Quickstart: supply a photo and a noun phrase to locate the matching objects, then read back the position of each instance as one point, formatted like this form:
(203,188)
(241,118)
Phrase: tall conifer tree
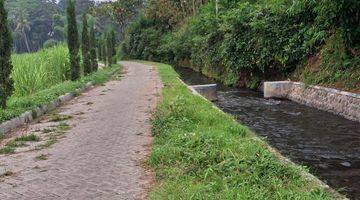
(73,41)
(111,47)
(93,57)
(6,83)
(85,46)
(104,48)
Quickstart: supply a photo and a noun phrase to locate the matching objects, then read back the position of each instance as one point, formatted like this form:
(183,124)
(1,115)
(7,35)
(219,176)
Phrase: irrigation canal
(326,143)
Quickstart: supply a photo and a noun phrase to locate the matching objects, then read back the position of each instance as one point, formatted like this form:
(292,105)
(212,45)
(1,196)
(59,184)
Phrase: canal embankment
(339,102)
(200,152)
(328,144)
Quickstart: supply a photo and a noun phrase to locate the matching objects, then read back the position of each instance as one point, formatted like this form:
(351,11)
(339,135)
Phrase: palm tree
(22,26)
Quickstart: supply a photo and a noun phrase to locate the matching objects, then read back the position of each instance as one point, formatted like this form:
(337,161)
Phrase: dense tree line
(242,42)
(42,23)
(82,62)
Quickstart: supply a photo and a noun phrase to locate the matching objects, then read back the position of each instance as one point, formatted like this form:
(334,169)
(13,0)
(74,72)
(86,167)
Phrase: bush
(248,41)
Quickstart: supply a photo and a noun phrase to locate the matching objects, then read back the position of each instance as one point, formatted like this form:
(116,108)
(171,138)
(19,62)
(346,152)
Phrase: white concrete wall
(342,103)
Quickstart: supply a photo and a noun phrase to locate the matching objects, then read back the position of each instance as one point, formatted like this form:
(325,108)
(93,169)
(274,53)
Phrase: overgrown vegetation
(18,142)
(38,24)
(242,42)
(201,153)
(37,71)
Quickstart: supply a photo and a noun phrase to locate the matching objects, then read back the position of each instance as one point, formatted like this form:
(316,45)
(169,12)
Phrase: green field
(201,153)
(37,71)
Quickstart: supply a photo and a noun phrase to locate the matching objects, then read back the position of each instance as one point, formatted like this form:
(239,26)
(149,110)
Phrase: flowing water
(328,144)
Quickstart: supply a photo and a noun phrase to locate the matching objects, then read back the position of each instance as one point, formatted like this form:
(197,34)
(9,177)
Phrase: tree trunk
(26,41)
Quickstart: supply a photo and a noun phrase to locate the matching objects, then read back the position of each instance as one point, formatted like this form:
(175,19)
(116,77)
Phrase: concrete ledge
(345,104)
(31,115)
(208,91)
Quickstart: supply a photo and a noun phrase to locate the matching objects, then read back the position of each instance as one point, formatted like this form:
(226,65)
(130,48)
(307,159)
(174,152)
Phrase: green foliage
(245,41)
(7,150)
(142,40)
(38,71)
(102,48)
(31,22)
(93,48)
(337,68)
(50,43)
(85,46)
(111,47)
(201,153)
(6,83)
(31,137)
(73,41)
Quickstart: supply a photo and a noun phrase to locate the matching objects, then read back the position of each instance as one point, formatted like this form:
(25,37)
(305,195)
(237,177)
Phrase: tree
(93,57)
(85,47)
(34,15)
(73,41)
(111,47)
(99,48)
(22,27)
(120,11)
(6,83)
(83,6)
(103,48)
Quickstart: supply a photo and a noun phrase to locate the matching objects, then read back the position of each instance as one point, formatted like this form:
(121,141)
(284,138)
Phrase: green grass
(58,118)
(62,127)
(18,142)
(7,150)
(41,157)
(36,71)
(18,105)
(200,152)
(25,138)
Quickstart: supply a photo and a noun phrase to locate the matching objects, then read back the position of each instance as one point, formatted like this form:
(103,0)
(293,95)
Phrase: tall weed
(37,71)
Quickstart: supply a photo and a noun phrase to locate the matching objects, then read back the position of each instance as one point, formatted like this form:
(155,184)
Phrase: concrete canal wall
(342,103)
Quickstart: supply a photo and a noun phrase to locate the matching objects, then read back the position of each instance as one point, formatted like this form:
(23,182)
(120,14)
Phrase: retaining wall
(342,103)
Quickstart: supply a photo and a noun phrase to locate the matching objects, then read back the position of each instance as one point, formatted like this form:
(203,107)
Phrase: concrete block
(209,91)
(277,89)
(341,103)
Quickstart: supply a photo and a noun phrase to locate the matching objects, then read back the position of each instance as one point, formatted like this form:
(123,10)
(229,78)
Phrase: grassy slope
(201,153)
(18,105)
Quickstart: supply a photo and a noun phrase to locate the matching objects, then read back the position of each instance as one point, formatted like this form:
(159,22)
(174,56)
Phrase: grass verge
(19,105)
(200,152)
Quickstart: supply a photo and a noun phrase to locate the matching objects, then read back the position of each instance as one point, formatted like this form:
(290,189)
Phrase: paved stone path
(100,157)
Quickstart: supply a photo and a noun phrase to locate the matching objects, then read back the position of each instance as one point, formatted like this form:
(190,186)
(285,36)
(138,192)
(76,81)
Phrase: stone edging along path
(37,112)
(31,115)
(306,175)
